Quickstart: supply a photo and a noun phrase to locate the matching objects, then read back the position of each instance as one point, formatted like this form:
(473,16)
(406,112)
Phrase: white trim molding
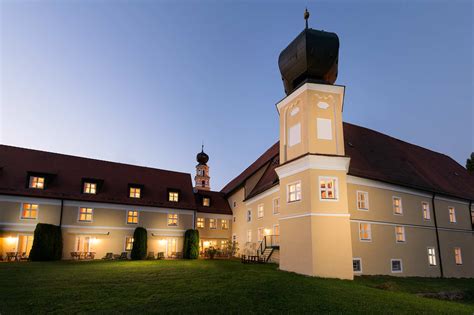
(377,184)
(262,195)
(38,201)
(317,162)
(315,214)
(214,216)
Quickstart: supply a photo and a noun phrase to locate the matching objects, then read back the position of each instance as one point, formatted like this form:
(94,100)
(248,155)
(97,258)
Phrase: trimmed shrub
(191,244)
(139,249)
(47,243)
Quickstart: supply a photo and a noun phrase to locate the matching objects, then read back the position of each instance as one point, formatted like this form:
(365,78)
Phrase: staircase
(268,245)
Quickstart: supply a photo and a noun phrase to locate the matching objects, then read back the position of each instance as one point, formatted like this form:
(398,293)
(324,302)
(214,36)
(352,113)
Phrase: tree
(470,164)
(139,249)
(191,244)
(47,243)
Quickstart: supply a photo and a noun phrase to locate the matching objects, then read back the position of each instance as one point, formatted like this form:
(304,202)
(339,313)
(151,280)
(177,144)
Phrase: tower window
(203,183)
(294,192)
(328,188)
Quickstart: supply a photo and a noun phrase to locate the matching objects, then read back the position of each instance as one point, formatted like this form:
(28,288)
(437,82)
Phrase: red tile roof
(218,205)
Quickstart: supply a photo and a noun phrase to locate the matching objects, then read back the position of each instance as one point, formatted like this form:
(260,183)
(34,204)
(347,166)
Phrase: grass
(205,286)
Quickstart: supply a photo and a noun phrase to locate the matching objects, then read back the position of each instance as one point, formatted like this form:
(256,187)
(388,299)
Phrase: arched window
(203,183)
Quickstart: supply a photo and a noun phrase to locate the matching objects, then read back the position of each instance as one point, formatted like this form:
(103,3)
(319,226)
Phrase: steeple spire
(306,16)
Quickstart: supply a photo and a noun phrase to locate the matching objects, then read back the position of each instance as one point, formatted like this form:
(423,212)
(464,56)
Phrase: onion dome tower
(202,179)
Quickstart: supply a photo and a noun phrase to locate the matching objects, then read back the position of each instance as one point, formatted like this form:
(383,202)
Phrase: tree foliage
(139,249)
(47,243)
(191,244)
(470,164)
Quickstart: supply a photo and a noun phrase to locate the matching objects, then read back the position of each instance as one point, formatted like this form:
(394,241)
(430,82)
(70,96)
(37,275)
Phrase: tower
(202,179)
(315,234)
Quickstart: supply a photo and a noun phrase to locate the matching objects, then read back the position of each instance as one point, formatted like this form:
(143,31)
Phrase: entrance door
(83,243)
(25,242)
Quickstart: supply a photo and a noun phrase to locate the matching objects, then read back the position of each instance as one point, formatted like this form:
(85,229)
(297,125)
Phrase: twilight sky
(145,82)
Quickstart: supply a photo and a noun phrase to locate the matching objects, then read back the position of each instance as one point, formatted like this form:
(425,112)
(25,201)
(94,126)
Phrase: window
(294,192)
(213,224)
(362,200)
(200,223)
(431,256)
(276,229)
(328,188)
(224,244)
(135,192)
(224,224)
(128,243)
(233,219)
(400,234)
(203,183)
(260,211)
(29,211)
(235,204)
(365,233)
(249,236)
(249,215)
(294,135)
(90,188)
(426,211)
(396,265)
(85,214)
(36,182)
(132,217)
(458,255)
(206,201)
(452,215)
(172,219)
(357,265)
(276,205)
(260,234)
(173,196)
(397,206)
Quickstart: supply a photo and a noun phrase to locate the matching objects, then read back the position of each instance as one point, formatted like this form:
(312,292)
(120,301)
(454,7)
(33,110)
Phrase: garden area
(217,286)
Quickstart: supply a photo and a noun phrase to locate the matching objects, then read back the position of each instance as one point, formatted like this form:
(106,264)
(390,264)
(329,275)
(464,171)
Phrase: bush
(191,244)
(47,243)
(139,249)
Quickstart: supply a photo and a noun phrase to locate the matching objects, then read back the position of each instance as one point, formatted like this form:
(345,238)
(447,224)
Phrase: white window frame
(369,232)
(79,215)
(393,205)
(366,194)
(403,234)
(84,188)
(168,219)
(172,195)
(203,223)
(249,236)
(273,205)
(248,215)
(125,245)
(360,264)
(260,211)
(260,234)
(135,192)
(401,265)
(222,224)
(296,192)
(454,215)
(428,210)
(127,216)
(335,188)
(275,225)
(456,256)
(210,224)
(29,219)
(431,263)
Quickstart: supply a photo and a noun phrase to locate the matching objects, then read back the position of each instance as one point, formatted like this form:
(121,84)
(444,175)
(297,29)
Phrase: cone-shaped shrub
(191,244)
(47,243)
(139,249)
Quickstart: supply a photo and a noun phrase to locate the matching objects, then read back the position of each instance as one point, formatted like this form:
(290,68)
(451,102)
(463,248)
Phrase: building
(329,199)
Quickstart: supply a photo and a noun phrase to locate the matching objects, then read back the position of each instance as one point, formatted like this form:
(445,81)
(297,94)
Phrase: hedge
(191,244)
(139,249)
(47,243)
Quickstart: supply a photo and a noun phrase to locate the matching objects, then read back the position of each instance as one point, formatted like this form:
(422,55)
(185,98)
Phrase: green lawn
(206,286)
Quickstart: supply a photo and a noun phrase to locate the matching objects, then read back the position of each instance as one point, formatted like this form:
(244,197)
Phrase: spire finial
(306,16)
(202,146)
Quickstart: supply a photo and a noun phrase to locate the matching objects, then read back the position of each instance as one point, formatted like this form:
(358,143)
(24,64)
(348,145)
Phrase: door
(25,242)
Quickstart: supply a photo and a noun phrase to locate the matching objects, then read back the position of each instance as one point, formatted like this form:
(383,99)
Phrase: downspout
(61,214)
(470,214)
(437,236)
(194,219)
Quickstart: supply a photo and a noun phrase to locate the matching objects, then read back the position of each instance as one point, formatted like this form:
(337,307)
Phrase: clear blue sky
(144,82)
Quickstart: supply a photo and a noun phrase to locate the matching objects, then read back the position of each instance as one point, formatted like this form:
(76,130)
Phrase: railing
(268,241)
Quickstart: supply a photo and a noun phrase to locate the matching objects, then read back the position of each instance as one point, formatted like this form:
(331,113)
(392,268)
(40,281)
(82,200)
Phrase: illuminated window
(206,202)
(294,192)
(396,265)
(135,192)
(132,217)
(328,188)
(260,234)
(225,224)
(173,196)
(85,214)
(90,188)
(249,215)
(200,223)
(36,182)
(400,234)
(426,211)
(357,265)
(224,244)
(276,205)
(172,219)
(128,243)
(452,215)
(260,211)
(431,256)
(397,206)
(213,224)
(249,236)
(29,211)
(362,200)
(365,233)
(458,255)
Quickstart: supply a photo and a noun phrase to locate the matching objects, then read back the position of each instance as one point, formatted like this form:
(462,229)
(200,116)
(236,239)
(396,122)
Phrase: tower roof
(202,158)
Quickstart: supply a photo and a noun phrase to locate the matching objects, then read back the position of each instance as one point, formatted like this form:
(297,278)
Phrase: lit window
(90,188)
(200,223)
(249,215)
(172,219)
(29,211)
(260,211)
(365,233)
(206,202)
(431,256)
(128,243)
(328,188)
(132,217)
(276,205)
(397,205)
(458,255)
(357,265)
(36,182)
(85,214)
(426,211)
(362,200)
(400,234)
(135,192)
(225,224)
(396,265)
(452,215)
(294,192)
(223,244)
(173,196)
(260,234)
(213,224)
(249,236)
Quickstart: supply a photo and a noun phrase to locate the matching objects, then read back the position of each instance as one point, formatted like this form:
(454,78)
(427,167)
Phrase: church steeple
(202,178)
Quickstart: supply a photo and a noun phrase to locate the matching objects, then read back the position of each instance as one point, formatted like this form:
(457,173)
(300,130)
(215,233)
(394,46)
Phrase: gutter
(437,236)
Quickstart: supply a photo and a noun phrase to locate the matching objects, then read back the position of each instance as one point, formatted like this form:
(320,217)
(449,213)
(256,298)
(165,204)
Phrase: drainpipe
(61,214)
(470,214)
(437,236)
(194,219)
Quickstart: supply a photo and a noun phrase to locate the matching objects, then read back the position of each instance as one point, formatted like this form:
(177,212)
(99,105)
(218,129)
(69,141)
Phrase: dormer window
(90,188)
(36,182)
(173,196)
(206,201)
(135,192)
